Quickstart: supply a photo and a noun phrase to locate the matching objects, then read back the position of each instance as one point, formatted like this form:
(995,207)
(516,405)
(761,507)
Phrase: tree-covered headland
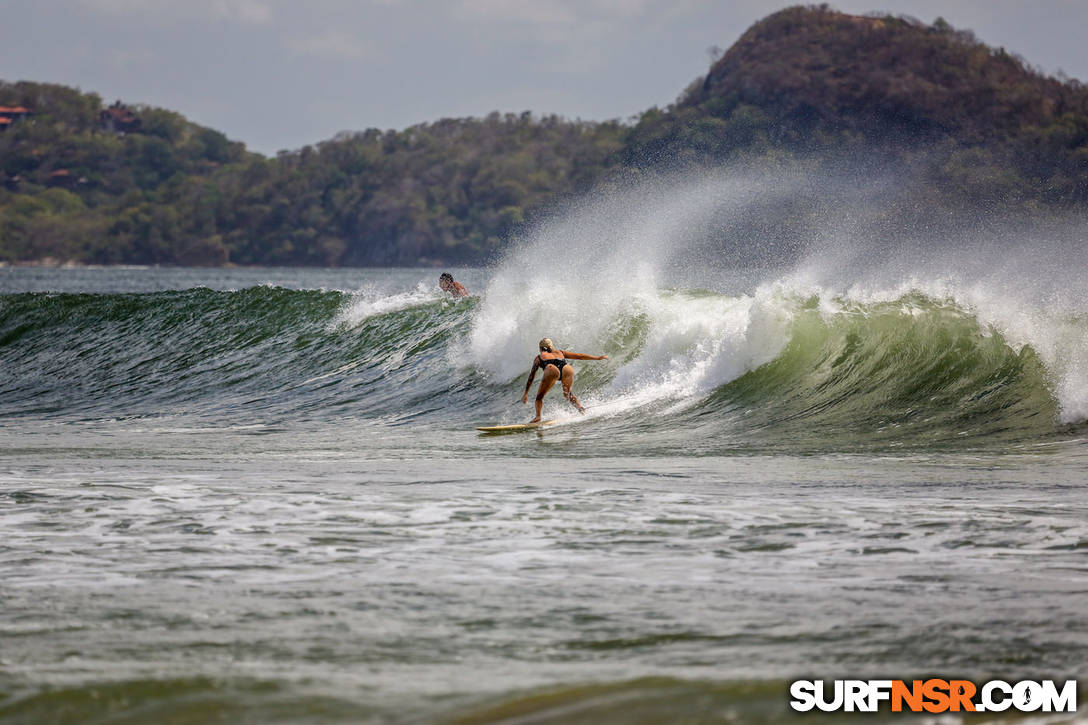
(88,182)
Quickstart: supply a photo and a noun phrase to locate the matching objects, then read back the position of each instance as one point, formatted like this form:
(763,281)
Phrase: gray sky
(279,74)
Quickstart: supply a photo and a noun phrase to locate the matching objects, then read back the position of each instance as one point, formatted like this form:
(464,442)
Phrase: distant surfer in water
(555,367)
(446,282)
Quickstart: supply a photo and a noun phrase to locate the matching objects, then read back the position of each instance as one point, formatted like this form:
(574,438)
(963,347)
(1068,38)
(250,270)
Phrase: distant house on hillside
(11,114)
(119,118)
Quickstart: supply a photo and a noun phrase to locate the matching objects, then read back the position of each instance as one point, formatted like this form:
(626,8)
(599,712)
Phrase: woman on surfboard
(555,367)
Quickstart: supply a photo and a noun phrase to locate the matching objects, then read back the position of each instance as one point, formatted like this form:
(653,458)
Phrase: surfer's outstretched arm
(581,356)
(529,382)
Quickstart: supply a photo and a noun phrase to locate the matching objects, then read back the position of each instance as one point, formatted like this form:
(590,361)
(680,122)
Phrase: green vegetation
(72,189)
(446,191)
(972,123)
(166,191)
(966,124)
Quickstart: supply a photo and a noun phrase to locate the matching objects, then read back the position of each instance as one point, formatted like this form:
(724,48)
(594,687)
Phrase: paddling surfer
(555,365)
(447,283)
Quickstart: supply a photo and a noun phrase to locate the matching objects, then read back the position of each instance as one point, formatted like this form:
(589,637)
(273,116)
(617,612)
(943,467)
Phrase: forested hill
(972,120)
(80,181)
(449,191)
(85,182)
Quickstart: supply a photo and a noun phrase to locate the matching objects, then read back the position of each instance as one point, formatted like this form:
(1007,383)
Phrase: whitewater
(823,446)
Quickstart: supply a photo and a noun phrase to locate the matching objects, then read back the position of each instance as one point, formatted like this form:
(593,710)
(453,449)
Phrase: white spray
(643,253)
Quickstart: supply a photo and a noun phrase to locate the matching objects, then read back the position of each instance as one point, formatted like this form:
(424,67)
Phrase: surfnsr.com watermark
(933,695)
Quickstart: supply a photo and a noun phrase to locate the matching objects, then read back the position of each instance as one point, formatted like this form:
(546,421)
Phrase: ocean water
(258,495)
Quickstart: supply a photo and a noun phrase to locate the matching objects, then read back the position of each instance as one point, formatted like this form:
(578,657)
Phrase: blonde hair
(546,345)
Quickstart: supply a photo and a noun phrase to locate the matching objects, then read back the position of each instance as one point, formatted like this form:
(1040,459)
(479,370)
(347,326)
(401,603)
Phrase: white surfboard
(516,427)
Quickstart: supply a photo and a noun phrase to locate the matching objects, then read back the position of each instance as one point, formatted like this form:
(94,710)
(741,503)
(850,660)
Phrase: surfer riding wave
(556,367)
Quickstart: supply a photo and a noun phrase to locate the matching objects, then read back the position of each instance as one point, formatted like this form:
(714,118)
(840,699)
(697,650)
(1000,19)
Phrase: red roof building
(10,114)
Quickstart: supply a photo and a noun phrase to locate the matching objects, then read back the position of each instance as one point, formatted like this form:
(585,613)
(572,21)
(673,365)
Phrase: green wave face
(908,373)
(254,353)
(700,372)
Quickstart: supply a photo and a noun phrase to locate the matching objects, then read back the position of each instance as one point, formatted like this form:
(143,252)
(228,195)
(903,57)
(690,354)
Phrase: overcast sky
(280,74)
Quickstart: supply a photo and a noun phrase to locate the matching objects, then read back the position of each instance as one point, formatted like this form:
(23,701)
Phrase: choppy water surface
(258,495)
(275,578)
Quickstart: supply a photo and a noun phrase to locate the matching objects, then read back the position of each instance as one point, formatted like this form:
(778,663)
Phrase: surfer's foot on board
(534,420)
